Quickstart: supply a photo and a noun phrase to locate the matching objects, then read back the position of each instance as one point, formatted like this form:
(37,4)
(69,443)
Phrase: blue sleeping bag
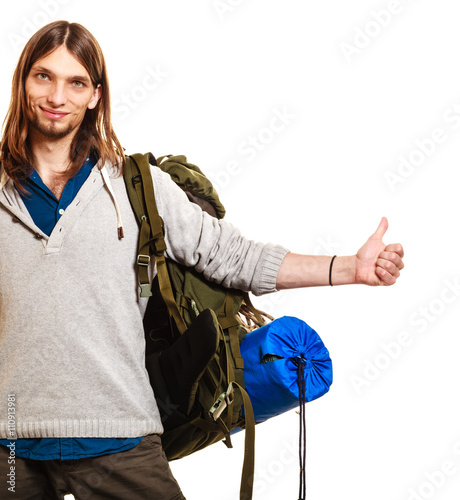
(271,357)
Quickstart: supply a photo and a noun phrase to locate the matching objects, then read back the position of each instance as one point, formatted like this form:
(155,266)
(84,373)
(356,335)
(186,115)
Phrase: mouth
(53,114)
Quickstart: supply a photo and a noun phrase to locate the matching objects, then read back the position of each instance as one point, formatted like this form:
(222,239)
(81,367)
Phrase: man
(72,374)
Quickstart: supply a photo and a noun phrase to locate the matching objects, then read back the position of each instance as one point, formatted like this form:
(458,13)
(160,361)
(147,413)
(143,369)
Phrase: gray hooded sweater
(71,335)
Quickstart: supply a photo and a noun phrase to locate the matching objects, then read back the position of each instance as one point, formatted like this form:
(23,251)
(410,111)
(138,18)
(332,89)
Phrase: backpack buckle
(145,290)
(143,260)
(224,400)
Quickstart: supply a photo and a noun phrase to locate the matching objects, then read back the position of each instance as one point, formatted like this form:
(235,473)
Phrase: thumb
(382,229)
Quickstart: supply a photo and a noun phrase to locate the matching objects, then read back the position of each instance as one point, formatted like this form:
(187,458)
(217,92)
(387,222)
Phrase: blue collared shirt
(45,210)
(43,206)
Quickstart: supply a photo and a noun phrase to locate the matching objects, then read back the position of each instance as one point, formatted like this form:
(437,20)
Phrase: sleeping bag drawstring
(302,433)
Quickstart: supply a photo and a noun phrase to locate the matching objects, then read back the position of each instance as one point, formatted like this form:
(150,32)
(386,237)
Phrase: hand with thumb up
(377,263)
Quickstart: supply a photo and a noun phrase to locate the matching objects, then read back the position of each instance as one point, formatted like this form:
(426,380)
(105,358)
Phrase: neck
(51,160)
(50,156)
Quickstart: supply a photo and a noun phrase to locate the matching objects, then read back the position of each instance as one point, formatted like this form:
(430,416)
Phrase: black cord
(302,433)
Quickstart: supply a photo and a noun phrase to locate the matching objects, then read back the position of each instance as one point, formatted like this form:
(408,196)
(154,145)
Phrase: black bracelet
(330,270)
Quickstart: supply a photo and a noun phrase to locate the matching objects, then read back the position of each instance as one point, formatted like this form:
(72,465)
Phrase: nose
(57,95)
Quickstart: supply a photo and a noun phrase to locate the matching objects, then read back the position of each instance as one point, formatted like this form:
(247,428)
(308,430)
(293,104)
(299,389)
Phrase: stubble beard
(49,131)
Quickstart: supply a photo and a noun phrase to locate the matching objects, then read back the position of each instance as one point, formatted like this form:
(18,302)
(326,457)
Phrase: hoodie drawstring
(105,176)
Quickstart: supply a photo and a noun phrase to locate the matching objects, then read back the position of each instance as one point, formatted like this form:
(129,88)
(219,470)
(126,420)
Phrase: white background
(363,85)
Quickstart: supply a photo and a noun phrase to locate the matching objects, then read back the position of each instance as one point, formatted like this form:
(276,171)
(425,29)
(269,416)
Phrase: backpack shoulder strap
(139,185)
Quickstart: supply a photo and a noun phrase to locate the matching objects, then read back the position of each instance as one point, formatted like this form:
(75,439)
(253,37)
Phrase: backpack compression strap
(138,180)
(227,320)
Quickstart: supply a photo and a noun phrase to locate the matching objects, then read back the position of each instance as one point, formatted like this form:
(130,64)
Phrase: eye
(78,84)
(42,76)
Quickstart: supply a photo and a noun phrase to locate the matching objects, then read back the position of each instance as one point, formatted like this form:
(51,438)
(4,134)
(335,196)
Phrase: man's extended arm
(219,251)
(374,264)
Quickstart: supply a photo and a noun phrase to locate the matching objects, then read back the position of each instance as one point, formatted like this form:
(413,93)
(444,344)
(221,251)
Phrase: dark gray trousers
(141,473)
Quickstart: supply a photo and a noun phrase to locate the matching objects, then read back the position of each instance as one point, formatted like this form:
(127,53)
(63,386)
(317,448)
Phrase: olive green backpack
(193,327)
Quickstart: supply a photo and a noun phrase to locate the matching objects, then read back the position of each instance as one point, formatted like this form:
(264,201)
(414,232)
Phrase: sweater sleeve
(214,247)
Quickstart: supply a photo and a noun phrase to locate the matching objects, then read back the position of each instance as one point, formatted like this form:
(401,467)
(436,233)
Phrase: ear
(95,98)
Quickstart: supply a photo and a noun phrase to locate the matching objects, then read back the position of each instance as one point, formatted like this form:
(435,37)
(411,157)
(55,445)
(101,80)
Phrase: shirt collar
(84,171)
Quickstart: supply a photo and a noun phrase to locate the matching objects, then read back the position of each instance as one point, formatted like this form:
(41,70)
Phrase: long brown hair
(95,136)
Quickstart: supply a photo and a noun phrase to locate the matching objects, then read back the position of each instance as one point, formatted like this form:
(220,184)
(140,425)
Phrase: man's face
(58,93)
